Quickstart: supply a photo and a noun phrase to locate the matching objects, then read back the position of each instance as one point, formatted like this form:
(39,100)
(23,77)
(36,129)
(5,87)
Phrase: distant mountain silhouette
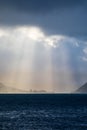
(6,89)
(82,89)
(37,91)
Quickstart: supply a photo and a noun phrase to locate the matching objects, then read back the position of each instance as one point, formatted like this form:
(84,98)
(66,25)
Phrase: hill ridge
(82,89)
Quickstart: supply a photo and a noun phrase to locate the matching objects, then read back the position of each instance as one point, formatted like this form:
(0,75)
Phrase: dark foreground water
(43,112)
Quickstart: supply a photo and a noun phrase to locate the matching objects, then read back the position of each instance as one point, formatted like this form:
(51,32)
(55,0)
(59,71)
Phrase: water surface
(43,112)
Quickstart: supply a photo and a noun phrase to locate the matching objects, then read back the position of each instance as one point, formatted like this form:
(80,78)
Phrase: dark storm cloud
(34,6)
(66,17)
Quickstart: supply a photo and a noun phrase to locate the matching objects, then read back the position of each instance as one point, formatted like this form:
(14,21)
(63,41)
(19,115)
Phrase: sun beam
(38,61)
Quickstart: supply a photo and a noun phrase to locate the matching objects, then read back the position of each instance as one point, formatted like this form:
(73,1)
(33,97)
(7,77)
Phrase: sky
(43,44)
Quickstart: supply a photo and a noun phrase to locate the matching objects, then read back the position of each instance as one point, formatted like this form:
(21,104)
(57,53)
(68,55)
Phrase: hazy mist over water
(43,45)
